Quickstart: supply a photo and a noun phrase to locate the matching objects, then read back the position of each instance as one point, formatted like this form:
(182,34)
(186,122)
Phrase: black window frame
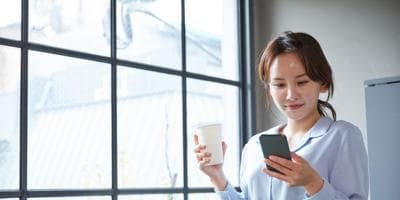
(245,84)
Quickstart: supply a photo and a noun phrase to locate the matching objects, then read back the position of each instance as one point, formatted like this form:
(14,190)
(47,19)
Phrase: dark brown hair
(310,53)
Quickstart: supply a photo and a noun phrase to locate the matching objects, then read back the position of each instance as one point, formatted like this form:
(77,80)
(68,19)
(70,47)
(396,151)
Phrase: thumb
(196,139)
(296,158)
(224,147)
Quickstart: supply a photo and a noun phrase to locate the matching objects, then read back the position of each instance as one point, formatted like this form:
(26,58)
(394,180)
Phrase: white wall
(361,39)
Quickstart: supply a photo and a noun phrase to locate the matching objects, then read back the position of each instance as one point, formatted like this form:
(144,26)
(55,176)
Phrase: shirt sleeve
(229,193)
(349,179)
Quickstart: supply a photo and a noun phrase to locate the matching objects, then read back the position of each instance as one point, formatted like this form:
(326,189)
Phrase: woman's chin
(294,115)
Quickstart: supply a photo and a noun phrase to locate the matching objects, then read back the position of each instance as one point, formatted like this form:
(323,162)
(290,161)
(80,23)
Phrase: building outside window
(113,92)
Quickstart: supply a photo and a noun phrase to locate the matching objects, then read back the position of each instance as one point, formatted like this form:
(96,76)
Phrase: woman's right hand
(214,172)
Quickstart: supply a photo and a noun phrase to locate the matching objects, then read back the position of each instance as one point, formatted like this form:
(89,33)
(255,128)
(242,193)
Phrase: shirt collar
(320,128)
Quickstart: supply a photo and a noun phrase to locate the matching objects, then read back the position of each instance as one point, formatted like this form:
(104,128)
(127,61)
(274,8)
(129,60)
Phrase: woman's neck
(300,127)
(296,129)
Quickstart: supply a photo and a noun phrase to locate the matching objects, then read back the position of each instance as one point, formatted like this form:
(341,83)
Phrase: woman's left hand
(295,172)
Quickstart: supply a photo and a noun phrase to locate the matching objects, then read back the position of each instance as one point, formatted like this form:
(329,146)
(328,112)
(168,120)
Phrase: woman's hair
(310,53)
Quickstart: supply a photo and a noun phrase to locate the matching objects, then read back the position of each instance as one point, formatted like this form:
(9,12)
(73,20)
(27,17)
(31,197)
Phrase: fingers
(278,167)
(296,172)
(203,156)
(282,161)
(203,161)
(199,148)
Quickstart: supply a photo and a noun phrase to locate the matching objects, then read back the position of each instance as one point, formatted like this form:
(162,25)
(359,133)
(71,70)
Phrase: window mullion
(24,102)
(184,103)
(114,100)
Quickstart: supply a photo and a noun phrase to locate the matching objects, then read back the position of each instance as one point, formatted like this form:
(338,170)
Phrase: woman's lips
(293,106)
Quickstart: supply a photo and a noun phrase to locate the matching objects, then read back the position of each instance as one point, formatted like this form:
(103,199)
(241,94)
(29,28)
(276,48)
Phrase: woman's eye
(278,85)
(302,82)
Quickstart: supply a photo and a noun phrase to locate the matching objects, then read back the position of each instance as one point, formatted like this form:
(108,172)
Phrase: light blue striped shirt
(335,149)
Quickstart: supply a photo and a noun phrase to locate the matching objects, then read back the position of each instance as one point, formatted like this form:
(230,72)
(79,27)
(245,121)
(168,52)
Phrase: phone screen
(275,145)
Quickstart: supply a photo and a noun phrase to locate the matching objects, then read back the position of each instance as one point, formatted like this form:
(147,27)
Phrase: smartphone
(275,145)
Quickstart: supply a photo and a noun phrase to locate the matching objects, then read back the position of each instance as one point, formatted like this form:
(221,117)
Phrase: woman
(329,160)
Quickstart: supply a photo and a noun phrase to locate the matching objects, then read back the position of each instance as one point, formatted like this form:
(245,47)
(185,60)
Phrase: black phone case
(275,145)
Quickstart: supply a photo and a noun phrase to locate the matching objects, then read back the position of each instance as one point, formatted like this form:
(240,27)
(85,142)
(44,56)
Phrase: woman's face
(293,92)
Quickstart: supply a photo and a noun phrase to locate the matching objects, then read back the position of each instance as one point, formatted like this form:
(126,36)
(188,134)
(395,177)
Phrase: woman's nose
(292,93)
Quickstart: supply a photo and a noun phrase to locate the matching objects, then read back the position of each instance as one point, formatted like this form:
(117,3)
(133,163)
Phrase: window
(99,99)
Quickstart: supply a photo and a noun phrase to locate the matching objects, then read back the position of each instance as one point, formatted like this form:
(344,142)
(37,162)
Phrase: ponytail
(325,104)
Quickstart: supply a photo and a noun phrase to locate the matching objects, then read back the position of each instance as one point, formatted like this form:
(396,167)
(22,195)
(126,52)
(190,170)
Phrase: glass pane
(149,129)
(211,39)
(10,20)
(72,198)
(149,32)
(151,197)
(69,143)
(213,102)
(203,196)
(67,24)
(9,117)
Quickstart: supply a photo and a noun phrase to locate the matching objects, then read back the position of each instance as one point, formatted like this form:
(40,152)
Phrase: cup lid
(205,124)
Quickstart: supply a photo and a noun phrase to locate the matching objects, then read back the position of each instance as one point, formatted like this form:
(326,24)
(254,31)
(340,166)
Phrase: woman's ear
(267,89)
(323,88)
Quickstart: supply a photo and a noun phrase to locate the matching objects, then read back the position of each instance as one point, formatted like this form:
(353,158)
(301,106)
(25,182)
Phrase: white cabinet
(383,129)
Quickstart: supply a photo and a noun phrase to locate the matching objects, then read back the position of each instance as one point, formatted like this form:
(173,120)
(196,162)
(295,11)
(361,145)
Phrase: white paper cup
(211,136)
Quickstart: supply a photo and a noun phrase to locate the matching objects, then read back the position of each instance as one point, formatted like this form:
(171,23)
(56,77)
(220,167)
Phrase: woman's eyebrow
(280,79)
(301,75)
